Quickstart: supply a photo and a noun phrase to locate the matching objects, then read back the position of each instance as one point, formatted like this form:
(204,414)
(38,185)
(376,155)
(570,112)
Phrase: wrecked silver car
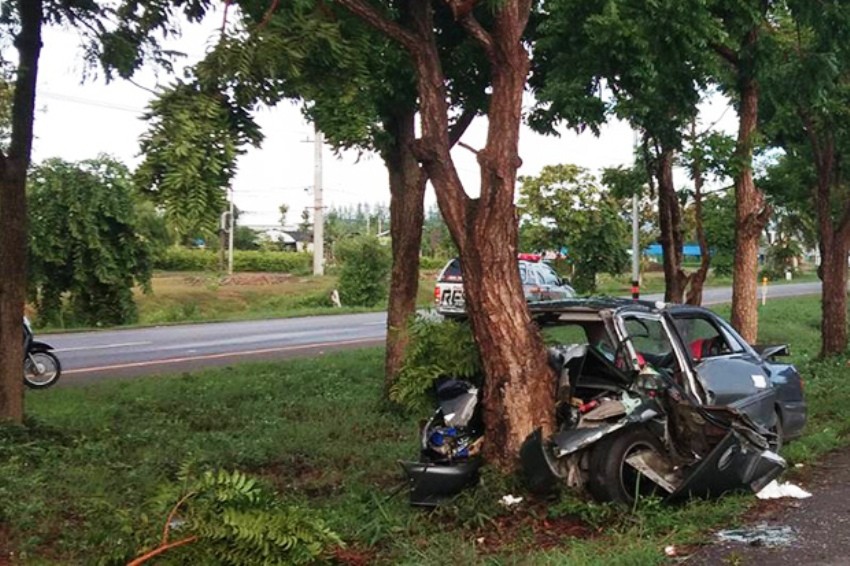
(652,399)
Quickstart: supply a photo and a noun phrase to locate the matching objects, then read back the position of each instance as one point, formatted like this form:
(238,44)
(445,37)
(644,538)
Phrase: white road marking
(219,356)
(102,347)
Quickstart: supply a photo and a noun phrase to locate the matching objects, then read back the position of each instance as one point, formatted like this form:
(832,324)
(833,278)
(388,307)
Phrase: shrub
(427,262)
(182,259)
(437,348)
(85,242)
(364,272)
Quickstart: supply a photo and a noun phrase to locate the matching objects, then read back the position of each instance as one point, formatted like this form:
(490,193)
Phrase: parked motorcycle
(41,367)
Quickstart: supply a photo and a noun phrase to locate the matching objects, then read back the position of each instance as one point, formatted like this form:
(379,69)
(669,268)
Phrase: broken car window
(703,339)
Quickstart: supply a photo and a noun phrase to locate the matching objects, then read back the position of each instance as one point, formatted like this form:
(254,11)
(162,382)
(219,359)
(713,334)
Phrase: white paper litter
(509,500)
(776,490)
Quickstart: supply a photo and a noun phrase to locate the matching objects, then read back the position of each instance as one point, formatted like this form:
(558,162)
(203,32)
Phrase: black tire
(611,477)
(778,441)
(41,369)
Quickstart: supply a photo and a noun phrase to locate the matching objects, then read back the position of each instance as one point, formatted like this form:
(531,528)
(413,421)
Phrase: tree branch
(469,147)
(729,55)
(365,11)
(167,527)
(266,17)
(160,549)
(474,28)
(460,126)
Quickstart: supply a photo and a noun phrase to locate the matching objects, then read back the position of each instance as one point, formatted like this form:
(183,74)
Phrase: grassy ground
(80,483)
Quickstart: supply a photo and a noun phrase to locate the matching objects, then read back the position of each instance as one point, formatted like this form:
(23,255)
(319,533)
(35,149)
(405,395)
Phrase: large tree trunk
(13,213)
(697,279)
(833,238)
(670,226)
(407,212)
(751,211)
(834,298)
(519,390)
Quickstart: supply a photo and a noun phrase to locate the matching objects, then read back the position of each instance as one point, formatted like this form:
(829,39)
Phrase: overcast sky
(77,120)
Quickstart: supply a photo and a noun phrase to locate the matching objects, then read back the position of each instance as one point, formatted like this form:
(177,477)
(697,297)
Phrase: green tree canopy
(84,241)
(565,206)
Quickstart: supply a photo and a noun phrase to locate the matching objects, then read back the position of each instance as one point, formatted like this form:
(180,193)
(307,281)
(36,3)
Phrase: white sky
(77,120)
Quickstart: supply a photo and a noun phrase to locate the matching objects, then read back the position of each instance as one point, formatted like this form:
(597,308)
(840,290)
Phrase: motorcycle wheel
(41,369)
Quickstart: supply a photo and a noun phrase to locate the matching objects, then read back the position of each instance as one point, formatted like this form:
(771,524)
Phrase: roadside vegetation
(91,477)
(199,296)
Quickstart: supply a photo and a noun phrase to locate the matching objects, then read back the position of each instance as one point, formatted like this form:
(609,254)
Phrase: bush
(437,348)
(427,262)
(364,272)
(182,259)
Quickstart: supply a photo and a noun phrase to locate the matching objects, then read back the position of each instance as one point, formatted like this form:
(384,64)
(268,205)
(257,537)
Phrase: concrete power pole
(635,236)
(318,210)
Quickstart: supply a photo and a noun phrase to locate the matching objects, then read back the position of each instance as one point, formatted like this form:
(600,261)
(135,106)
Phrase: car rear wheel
(612,477)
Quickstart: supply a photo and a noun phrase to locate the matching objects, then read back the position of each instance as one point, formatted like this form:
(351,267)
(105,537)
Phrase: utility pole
(635,236)
(318,211)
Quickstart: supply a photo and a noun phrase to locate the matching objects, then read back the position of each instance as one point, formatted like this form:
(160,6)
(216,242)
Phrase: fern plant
(226,517)
(437,348)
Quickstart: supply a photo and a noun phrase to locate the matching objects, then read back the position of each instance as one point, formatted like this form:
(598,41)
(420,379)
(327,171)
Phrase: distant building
(291,239)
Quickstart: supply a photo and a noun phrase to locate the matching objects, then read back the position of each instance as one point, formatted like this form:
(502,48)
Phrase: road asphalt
(816,531)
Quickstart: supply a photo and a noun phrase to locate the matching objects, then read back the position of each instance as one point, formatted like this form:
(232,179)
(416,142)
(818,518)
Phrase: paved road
(94,355)
(88,356)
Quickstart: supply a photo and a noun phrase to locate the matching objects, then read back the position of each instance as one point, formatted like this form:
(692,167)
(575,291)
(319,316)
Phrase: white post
(318,212)
(230,230)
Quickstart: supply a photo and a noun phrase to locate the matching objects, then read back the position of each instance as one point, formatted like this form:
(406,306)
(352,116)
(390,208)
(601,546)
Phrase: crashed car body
(655,399)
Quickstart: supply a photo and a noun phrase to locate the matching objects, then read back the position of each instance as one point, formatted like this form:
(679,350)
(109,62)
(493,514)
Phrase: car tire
(611,477)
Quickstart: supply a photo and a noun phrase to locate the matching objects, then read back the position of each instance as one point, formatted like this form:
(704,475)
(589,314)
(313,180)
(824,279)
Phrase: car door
(729,372)
(554,288)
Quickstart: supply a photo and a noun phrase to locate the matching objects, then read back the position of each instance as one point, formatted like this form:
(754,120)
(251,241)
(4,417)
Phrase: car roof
(596,304)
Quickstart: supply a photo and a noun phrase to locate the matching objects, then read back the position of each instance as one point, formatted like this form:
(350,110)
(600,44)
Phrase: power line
(90,102)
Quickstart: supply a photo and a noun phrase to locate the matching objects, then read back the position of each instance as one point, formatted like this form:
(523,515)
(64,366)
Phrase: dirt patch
(6,545)
(256,279)
(820,524)
(353,555)
(530,529)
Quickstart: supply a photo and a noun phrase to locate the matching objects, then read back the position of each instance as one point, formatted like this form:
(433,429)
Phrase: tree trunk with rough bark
(519,389)
(407,212)
(13,212)
(833,237)
(670,226)
(697,278)
(751,211)
(834,298)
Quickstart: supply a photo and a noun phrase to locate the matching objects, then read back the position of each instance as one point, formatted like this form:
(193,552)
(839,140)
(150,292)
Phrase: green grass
(80,483)
(182,297)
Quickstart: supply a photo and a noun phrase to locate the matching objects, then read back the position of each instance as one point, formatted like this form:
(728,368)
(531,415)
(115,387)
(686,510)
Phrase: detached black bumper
(430,484)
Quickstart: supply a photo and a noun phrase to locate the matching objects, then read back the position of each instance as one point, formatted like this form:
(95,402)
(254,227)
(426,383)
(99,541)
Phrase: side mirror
(771,351)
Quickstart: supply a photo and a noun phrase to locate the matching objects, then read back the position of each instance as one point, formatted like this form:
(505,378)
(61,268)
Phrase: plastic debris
(776,490)
(671,551)
(509,500)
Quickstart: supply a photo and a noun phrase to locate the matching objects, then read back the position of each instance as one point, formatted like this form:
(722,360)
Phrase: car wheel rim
(633,482)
